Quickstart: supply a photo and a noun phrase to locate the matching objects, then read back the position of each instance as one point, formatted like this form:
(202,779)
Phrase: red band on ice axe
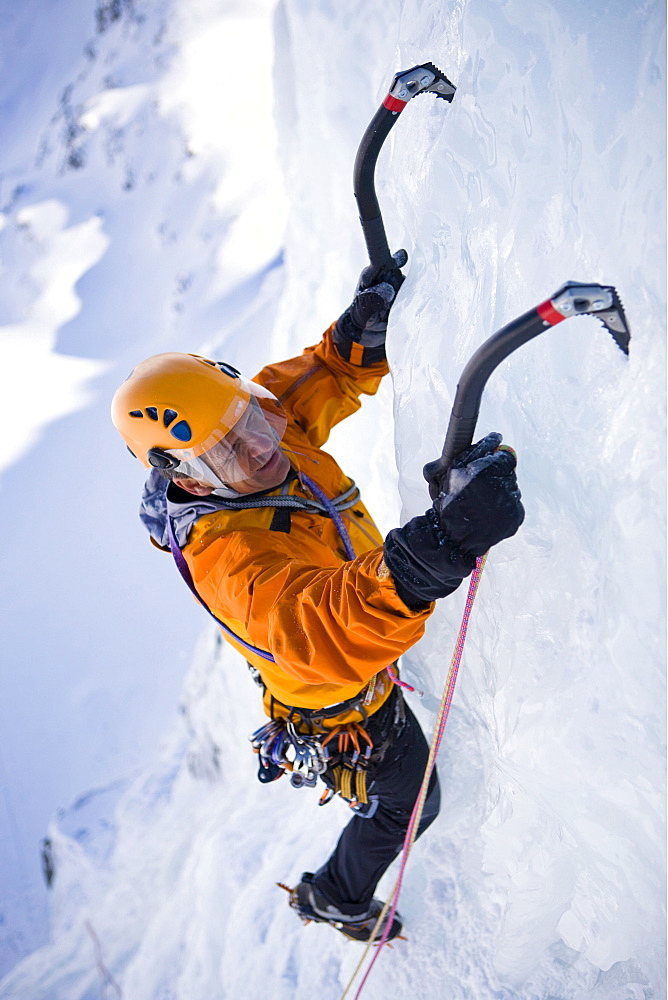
(394,104)
(547,312)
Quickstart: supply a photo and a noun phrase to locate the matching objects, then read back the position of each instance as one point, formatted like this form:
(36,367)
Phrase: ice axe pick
(573,299)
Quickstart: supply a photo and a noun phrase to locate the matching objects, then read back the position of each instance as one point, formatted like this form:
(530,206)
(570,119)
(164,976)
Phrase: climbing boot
(311,904)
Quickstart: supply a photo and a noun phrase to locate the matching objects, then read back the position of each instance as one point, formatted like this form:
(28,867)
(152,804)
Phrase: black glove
(483,504)
(430,555)
(365,321)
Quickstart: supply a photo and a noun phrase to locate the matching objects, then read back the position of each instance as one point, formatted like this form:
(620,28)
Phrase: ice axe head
(577,298)
(573,299)
(423,79)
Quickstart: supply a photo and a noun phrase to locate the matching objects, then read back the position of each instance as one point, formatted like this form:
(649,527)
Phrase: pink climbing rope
(394,677)
(441,720)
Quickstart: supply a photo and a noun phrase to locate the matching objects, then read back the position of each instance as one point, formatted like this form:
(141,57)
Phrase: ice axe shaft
(573,299)
(423,79)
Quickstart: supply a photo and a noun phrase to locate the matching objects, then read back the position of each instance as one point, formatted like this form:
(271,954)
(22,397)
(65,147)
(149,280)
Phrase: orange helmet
(174,407)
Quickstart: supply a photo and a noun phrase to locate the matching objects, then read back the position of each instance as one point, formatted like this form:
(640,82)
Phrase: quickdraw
(345,751)
(348,765)
(282,748)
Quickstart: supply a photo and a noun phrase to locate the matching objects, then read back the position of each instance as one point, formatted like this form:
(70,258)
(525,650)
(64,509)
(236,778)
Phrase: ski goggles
(246,448)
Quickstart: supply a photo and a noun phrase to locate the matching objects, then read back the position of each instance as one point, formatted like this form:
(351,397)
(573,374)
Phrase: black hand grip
(365,192)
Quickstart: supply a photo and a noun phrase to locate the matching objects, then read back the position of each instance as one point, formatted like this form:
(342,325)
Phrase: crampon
(311,905)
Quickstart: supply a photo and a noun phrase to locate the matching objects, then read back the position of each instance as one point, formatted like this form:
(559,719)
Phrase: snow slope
(544,877)
(120,236)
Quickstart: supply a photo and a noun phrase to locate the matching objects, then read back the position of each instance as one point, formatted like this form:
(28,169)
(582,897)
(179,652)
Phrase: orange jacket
(330,623)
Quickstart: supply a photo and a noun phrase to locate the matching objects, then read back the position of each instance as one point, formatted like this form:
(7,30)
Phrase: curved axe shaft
(573,299)
(423,79)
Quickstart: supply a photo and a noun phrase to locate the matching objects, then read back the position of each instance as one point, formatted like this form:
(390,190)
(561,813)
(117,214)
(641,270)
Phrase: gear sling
(297,739)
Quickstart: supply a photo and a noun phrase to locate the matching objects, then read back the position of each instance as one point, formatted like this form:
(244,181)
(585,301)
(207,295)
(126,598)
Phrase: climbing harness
(298,741)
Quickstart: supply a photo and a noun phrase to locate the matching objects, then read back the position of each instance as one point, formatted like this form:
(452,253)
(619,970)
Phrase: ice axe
(573,299)
(423,79)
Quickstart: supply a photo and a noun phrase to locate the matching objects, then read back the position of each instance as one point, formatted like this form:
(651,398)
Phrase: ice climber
(274,539)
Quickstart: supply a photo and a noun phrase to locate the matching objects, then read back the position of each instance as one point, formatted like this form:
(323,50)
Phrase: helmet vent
(152,412)
(168,417)
(136,413)
(181,431)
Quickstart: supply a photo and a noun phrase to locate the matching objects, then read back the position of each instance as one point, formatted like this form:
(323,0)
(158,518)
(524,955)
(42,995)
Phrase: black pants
(370,843)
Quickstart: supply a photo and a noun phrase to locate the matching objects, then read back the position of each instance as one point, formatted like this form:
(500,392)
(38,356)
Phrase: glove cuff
(409,599)
(348,337)
(425,564)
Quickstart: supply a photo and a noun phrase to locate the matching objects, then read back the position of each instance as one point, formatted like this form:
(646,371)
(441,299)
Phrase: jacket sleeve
(319,388)
(332,623)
